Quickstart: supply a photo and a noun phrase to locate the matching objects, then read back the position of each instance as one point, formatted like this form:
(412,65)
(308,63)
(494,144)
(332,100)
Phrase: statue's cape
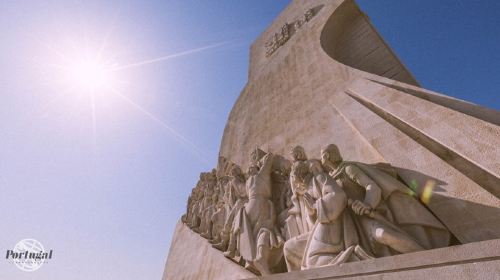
(399,198)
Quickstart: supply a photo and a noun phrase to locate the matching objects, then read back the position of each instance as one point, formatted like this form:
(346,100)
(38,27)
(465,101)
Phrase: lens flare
(427,191)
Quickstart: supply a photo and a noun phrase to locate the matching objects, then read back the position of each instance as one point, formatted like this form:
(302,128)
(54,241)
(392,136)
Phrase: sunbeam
(175,55)
(179,137)
(90,71)
(94,121)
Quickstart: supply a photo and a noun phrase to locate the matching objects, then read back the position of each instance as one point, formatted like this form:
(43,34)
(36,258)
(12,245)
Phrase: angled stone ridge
(350,38)
(468,108)
(192,257)
(298,96)
(335,164)
(479,260)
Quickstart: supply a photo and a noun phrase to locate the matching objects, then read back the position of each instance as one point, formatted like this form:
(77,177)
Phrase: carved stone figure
(260,242)
(231,233)
(301,218)
(208,203)
(329,212)
(388,219)
(222,208)
(299,221)
(282,192)
(195,211)
(238,197)
(206,226)
(302,215)
(333,239)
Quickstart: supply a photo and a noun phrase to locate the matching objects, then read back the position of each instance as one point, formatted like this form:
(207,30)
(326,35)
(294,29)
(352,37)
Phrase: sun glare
(88,74)
(86,71)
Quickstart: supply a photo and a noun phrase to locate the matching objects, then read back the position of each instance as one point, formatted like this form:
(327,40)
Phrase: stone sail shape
(321,86)
(321,74)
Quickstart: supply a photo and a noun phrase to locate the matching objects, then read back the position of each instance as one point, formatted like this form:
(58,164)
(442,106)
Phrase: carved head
(252,170)
(301,174)
(298,153)
(202,176)
(256,155)
(236,171)
(331,153)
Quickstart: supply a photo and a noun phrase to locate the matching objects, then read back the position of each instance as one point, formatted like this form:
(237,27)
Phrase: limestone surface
(336,163)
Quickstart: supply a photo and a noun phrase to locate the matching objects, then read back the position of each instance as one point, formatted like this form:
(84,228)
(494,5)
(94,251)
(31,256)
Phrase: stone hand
(360,208)
(266,157)
(309,200)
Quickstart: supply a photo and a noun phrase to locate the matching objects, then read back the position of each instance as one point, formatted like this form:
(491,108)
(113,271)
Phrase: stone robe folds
(299,226)
(256,222)
(397,207)
(333,239)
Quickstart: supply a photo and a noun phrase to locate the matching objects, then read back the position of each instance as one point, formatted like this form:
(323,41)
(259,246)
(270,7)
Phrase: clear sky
(103,178)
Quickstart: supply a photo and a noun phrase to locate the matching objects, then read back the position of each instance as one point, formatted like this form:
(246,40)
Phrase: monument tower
(333,154)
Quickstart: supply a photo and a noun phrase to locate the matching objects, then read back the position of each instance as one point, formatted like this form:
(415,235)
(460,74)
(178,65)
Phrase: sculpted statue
(236,198)
(208,203)
(222,208)
(328,211)
(260,242)
(333,239)
(300,221)
(185,217)
(282,192)
(194,214)
(387,218)
(301,216)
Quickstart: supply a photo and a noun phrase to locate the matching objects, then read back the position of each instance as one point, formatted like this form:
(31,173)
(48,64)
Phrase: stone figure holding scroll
(388,219)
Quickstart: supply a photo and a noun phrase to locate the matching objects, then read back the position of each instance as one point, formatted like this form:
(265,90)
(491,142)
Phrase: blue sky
(104,187)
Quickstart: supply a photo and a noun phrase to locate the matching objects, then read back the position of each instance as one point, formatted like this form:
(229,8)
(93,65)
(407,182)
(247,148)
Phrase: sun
(89,74)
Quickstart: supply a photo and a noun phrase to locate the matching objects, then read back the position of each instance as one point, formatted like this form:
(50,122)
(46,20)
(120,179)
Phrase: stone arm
(266,165)
(373,191)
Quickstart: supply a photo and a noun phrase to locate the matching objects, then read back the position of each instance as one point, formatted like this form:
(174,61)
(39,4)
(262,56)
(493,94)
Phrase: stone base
(192,257)
(479,260)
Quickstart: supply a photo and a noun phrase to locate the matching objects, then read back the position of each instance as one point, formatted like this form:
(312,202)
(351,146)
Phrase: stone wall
(301,95)
(192,257)
(321,74)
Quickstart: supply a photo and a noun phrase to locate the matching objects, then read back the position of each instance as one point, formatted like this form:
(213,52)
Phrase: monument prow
(424,164)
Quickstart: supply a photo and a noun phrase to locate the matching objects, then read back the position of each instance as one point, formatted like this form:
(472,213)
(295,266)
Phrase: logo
(28,255)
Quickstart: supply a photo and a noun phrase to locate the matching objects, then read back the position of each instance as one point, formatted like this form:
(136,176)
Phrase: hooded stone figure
(299,221)
(333,239)
(388,219)
(302,216)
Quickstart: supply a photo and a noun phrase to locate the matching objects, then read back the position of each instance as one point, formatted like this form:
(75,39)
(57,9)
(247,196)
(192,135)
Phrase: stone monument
(351,169)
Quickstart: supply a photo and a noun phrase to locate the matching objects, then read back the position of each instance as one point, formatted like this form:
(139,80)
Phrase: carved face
(256,155)
(298,153)
(331,153)
(236,171)
(252,170)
